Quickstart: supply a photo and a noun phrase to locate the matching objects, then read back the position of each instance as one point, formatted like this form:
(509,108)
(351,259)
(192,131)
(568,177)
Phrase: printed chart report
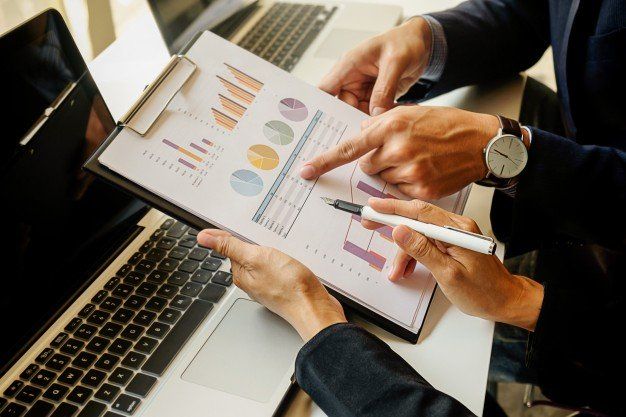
(229,148)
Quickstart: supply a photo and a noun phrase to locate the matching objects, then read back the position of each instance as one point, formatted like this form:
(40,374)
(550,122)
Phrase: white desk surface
(454,349)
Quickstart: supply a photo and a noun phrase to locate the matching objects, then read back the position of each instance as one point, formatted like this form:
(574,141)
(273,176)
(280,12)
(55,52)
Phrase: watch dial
(507,156)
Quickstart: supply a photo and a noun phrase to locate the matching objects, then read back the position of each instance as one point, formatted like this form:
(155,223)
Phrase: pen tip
(328,201)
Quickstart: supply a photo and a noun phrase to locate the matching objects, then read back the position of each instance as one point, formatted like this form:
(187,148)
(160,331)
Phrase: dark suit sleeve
(580,189)
(490,39)
(349,372)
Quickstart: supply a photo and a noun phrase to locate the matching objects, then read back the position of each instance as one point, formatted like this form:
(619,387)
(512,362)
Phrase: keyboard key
(145,266)
(124,270)
(122,291)
(110,329)
(93,409)
(13,388)
(168,264)
(28,394)
(146,345)
(178,278)
(107,362)
(44,355)
(144,317)
(93,378)
(146,289)
(123,315)
(86,311)
(181,302)
(135,302)
(97,344)
(215,254)
(3,402)
(201,276)
(112,414)
(111,304)
(212,293)
(137,256)
(166,243)
(188,242)
(156,254)
(133,359)
(43,378)
(72,346)
(56,392)
(146,247)
(112,283)
(167,224)
(120,346)
(134,278)
(84,360)
(141,385)
(177,230)
(73,324)
(98,317)
(65,410)
(223,278)
(167,291)
(189,266)
(39,409)
(58,341)
(157,277)
(13,410)
(79,395)
(158,330)
(121,376)
(126,404)
(70,376)
(191,289)
(157,234)
(29,371)
(100,295)
(85,331)
(169,316)
(132,332)
(160,359)
(156,304)
(107,393)
(198,254)
(58,362)
(192,232)
(211,264)
(178,253)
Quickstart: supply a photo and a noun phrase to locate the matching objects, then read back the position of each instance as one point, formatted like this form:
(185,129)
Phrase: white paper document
(229,148)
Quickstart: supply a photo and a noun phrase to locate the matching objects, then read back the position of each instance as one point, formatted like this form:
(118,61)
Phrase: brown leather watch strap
(510,127)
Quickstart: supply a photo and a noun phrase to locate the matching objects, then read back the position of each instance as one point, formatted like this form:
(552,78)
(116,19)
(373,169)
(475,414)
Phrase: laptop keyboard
(285,32)
(110,356)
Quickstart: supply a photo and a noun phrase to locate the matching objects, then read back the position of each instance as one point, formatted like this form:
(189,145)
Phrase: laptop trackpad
(248,353)
(340,40)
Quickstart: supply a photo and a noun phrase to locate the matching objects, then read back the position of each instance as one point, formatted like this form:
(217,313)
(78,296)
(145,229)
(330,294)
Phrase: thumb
(420,248)
(226,244)
(385,88)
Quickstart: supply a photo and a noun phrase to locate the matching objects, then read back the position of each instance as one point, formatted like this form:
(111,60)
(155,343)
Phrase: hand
(374,73)
(477,284)
(428,152)
(279,282)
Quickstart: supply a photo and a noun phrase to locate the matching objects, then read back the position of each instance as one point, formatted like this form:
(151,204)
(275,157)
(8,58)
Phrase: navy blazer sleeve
(489,39)
(349,372)
(581,189)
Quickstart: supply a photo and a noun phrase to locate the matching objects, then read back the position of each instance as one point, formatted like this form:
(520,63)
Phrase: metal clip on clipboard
(155,98)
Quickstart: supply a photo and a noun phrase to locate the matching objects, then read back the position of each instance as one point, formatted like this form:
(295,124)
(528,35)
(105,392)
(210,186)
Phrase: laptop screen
(59,225)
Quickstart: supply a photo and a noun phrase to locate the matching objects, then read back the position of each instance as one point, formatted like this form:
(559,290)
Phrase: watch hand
(506,156)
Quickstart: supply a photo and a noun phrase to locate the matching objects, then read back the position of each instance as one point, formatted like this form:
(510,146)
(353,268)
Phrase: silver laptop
(305,38)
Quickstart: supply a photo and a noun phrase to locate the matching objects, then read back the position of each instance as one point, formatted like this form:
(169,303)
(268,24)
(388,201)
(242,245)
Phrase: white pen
(447,234)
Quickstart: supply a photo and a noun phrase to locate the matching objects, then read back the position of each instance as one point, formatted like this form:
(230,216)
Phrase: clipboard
(172,78)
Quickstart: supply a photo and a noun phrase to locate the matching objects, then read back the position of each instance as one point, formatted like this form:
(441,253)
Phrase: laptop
(110,308)
(305,38)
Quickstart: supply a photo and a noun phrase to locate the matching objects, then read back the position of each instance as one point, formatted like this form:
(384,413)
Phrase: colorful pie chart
(293,109)
(278,132)
(246,183)
(263,157)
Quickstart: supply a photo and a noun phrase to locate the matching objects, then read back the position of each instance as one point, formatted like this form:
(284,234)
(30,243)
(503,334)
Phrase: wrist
(420,29)
(312,316)
(487,128)
(525,305)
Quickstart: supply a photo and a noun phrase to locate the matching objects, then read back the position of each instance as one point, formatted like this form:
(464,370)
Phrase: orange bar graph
(232,107)
(182,150)
(245,79)
(223,120)
(236,91)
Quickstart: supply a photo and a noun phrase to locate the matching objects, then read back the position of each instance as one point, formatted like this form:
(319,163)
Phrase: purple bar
(198,148)
(208,142)
(384,230)
(371,258)
(187,164)
(172,144)
(370,190)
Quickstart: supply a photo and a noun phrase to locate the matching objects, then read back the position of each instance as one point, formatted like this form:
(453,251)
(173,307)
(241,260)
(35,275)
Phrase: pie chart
(263,157)
(246,183)
(278,132)
(293,109)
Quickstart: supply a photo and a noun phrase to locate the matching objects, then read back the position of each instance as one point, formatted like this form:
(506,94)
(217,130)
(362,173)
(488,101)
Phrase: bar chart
(241,89)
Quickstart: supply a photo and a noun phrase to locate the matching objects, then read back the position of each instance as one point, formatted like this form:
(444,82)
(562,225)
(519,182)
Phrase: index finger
(347,151)
(223,242)
(413,209)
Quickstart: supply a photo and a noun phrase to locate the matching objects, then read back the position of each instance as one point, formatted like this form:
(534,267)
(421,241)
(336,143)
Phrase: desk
(454,349)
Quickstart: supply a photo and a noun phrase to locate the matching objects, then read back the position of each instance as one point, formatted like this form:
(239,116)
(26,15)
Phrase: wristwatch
(505,155)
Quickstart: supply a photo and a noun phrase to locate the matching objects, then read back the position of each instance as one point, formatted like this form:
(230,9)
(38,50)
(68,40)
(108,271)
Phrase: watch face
(506,156)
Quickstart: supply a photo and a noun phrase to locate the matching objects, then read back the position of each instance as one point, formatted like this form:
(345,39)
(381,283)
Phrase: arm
(348,372)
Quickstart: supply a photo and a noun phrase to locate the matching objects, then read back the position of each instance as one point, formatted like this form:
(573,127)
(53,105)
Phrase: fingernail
(378,111)
(307,172)
(402,234)
(391,271)
(205,238)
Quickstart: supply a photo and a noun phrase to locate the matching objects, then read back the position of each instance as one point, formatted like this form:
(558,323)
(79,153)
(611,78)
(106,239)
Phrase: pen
(447,234)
